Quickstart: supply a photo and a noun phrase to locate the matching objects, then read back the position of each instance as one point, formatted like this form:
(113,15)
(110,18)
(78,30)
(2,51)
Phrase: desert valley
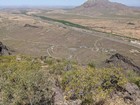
(99,34)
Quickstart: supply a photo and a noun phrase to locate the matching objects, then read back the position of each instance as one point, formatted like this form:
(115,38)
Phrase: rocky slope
(4,50)
(104,8)
(121,61)
(51,81)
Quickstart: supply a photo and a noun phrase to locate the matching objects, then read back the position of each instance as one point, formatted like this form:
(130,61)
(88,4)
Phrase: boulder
(130,94)
(4,50)
(31,26)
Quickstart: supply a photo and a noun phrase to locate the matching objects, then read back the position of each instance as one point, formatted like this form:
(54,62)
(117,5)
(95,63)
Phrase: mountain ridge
(105,7)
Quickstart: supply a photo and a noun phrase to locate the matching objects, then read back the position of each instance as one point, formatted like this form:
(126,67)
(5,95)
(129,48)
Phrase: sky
(58,2)
(129,2)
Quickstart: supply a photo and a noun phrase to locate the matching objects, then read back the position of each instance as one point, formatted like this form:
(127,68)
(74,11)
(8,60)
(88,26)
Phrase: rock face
(119,60)
(126,95)
(4,50)
(130,94)
(30,26)
(104,8)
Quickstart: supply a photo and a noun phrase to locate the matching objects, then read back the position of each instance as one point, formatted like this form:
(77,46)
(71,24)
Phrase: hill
(49,81)
(105,8)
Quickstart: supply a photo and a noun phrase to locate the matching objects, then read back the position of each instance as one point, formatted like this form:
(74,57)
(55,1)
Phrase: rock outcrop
(31,26)
(4,50)
(121,61)
(130,94)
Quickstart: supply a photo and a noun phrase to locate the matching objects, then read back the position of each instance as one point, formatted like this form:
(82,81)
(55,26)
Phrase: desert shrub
(92,64)
(133,77)
(62,66)
(91,85)
(49,60)
(23,82)
(135,80)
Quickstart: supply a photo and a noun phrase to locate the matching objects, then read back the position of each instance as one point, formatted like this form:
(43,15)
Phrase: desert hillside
(105,8)
(88,55)
(27,80)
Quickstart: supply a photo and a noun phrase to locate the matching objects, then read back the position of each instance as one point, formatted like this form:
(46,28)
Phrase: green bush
(62,66)
(91,85)
(23,82)
(92,65)
(133,77)
(49,61)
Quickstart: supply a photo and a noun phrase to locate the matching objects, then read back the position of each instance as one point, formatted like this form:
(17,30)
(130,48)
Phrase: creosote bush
(60,67)
(92,65)
(23,82)
(91,85)
(133,77)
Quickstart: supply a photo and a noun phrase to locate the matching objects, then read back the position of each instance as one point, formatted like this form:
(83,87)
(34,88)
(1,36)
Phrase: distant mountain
(105,8)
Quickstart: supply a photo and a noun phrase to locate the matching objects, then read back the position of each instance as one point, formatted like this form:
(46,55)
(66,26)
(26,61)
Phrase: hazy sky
(57,2)
(128,2)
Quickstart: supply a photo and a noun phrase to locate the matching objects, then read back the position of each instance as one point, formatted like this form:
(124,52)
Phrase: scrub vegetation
(26,81)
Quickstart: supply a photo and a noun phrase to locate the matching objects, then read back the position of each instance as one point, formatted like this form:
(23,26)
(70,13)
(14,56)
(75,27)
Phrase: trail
(48,52)
(95,44)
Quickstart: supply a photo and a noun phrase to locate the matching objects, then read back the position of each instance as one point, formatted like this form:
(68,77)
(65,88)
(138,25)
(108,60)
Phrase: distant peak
(98,0)
(92,2)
